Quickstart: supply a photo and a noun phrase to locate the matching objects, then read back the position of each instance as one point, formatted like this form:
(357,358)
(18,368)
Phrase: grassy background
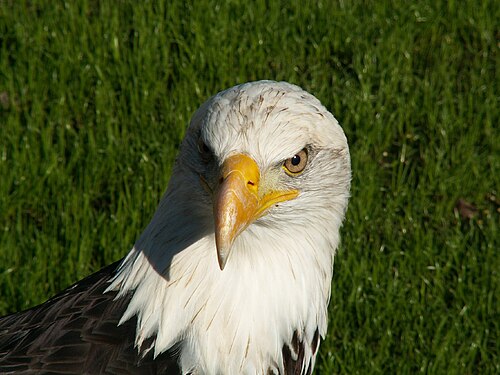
(95,96)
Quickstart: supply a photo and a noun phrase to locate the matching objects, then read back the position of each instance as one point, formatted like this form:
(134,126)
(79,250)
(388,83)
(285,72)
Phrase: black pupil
(296,160)
(204,148)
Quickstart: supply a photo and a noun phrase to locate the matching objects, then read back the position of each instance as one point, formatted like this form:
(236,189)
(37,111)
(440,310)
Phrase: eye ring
(296,164)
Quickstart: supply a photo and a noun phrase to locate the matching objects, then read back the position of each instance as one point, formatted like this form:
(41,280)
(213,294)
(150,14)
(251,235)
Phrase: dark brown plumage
(77,332)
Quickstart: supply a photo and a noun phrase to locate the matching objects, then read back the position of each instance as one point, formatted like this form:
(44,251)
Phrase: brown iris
(296,163)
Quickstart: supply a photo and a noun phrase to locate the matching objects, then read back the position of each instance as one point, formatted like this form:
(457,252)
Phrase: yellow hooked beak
(238,201)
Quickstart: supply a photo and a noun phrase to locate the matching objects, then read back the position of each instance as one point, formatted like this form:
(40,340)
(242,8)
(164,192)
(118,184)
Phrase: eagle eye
(204,150)
(296,164)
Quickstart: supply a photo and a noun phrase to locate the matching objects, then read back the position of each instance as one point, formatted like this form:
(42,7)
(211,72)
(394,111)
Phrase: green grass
(95,97)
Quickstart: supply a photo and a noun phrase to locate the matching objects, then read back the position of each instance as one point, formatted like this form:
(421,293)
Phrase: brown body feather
(77,332)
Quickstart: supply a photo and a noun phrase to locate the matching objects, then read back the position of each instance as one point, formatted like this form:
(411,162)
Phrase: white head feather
(278,278)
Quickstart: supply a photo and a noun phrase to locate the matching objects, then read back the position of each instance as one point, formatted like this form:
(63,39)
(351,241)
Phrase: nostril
(250,183)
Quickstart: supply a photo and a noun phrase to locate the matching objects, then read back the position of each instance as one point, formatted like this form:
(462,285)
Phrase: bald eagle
(233,273)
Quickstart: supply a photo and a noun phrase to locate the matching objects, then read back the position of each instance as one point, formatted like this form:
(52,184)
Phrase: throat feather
(233,321)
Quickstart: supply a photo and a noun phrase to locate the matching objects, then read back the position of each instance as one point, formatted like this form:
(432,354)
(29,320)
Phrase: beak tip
(223,245)
(221,259)
(221,266)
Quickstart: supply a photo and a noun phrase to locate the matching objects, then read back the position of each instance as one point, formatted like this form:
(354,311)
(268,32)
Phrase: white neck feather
(235,320)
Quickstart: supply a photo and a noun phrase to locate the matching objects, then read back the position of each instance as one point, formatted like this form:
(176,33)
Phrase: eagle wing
(77,332)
